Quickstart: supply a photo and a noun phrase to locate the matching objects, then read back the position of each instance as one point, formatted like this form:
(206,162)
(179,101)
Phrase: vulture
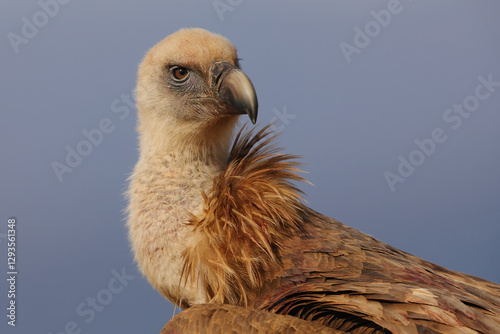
(219,227)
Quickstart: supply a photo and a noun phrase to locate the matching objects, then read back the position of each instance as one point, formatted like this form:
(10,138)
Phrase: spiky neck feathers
(251,210)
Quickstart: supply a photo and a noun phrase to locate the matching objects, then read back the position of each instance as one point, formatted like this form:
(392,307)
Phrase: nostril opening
(218,70)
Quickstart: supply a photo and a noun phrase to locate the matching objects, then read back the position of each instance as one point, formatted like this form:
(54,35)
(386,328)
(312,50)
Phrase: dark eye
(179,73)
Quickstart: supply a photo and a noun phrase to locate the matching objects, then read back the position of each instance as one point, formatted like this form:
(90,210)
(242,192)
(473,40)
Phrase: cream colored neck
(187,143)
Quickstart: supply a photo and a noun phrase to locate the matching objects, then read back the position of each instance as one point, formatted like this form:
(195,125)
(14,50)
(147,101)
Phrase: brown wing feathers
(350,281)
(224,318)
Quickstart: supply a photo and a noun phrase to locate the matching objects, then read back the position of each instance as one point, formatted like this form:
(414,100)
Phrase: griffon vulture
(218,228)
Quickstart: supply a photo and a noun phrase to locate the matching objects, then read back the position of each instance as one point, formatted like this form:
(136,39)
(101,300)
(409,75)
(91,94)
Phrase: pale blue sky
(69,67)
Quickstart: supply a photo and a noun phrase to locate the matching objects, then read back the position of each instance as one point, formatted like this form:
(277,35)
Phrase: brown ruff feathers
(253,207)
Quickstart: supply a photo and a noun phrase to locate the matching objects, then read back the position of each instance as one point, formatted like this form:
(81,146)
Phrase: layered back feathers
(251,210)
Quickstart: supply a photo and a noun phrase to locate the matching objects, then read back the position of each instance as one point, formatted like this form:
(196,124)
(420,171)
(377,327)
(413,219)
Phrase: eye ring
(179,73)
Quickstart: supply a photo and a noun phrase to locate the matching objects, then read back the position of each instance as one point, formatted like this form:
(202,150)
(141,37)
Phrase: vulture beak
(233,88)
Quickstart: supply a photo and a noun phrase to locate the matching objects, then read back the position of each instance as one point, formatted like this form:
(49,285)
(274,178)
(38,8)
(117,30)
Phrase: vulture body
(221,230)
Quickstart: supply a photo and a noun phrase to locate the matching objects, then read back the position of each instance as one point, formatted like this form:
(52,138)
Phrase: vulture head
(191,90)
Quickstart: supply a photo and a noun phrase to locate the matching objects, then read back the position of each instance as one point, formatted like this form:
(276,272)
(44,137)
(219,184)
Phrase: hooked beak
(233,88)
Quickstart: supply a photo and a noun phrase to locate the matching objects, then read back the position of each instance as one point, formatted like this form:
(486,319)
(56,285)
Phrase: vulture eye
(179,73)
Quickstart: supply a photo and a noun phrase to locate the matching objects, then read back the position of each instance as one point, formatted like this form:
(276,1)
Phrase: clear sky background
(352,89)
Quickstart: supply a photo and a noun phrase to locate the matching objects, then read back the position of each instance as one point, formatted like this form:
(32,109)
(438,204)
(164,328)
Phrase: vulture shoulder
(350,281)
